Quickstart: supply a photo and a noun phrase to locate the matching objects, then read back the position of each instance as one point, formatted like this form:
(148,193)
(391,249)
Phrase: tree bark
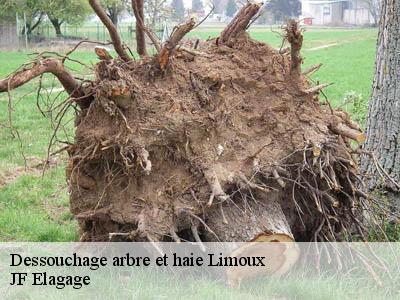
(383,127)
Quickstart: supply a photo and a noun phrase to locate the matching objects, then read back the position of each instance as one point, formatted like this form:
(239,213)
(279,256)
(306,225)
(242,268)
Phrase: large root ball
(229,143)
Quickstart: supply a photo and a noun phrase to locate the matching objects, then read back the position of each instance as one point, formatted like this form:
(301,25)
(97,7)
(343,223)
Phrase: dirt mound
(229,127)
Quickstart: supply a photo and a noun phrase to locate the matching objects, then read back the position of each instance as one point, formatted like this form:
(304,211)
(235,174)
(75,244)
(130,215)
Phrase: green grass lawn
(35,208)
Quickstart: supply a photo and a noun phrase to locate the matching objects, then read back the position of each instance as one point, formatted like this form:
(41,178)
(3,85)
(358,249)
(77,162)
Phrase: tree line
(75,12)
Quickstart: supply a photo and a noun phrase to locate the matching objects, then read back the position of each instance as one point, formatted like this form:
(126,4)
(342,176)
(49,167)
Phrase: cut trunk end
(277,259)
(263,224)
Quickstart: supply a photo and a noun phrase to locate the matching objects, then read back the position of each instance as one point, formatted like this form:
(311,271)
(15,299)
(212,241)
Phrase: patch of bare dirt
(34,166)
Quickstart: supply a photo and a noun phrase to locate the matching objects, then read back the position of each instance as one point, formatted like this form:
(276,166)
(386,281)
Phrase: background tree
(197,5)
(383,125)
(7,11)
(114,9)
(231,8)
(284,9)
(33,10)
(156,11)
(61,11)
(178,9)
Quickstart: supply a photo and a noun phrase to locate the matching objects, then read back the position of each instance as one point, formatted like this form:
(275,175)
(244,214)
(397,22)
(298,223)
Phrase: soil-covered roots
(223,146)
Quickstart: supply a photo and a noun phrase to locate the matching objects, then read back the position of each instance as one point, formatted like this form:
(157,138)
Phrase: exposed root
(329,182)
(240,22)
(250,184)
(216,189)
(316,148)
(278,178)
(174,235)
(177,35)
(295,38)
(196,236)
(348,132)
(144,160)
(102,53)
(317,88)
(345,118)
(155,245)
(221,209)
(312,70)
(37,68)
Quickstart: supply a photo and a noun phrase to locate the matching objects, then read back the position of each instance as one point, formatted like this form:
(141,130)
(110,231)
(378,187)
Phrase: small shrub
(356,105)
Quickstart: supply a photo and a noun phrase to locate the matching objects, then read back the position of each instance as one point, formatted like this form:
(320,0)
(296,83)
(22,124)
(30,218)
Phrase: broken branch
(48,65)
(102,53)
(177,35)
(317,88)
(312,69)
(348,132)
(240,22)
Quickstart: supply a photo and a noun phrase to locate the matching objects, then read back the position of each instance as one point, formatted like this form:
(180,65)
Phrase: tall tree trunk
(383,128)
(57,26)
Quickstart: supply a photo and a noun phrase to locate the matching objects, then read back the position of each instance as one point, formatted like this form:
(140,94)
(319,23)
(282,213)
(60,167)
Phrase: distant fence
(92,32)
(12,36)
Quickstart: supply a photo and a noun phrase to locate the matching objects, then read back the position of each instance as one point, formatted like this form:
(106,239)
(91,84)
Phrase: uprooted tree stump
(226,142)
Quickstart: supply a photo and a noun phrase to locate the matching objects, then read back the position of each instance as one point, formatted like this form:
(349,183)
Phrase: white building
(339,12)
